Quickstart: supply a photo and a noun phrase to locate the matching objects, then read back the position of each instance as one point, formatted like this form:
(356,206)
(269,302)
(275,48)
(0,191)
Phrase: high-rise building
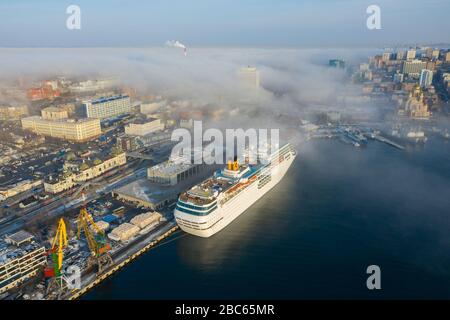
(426,78)
(435,54)
(428,52)
(400,55)
(411,54)
(386,56)
(431,65)
(68,129)
(413,67)
(249,77)
(107,107)
(447,57)
(337,63)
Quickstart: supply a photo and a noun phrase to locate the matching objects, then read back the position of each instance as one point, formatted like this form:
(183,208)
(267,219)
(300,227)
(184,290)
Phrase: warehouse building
(124,232)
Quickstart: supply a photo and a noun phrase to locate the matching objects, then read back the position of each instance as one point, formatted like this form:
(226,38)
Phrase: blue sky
(303,23)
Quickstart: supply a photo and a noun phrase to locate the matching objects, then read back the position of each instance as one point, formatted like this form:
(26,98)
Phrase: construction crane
(96,241)
(59,243)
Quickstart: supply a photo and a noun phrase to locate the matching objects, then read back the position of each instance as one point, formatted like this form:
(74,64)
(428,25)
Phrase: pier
(92,280)
(388,141)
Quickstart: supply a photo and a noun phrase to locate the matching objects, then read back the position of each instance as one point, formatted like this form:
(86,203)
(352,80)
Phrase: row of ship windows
(284,152)
(264,181)
(190,206)
(190,222)
(193,226)
(189,225)
(196,213)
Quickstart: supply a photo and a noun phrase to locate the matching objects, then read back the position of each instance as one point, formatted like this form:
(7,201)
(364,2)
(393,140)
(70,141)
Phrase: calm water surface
(338,210)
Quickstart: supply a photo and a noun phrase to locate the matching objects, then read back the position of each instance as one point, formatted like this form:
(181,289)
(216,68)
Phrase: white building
(144,127)
(386,56)
(68,129)
(107,107)
(144,220)
(15,189)
(249,76)
(70,179)
(411,54)
(400,55)
(435,54)
(124,232)
(426,78)
(413,67)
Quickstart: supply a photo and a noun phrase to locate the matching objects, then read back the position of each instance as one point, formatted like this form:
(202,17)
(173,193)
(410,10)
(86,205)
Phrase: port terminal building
(163,184)
(170,173)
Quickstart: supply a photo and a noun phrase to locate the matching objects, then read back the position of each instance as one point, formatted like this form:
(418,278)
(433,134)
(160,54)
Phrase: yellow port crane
(61,238)
(97,242)
(53,269)
(59,243)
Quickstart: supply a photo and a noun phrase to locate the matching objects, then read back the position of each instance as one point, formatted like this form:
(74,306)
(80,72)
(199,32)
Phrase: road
(93,189)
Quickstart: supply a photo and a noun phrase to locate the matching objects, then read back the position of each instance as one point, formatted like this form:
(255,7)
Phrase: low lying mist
(291,80)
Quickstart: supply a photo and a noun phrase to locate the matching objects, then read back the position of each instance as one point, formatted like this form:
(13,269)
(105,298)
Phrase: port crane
(59,243)
(96,241)
(56,252)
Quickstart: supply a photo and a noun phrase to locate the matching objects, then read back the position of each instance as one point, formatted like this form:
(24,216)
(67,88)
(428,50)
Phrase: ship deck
(208,190)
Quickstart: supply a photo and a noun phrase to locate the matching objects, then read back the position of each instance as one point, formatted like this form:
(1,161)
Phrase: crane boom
(84,221)
(60,239)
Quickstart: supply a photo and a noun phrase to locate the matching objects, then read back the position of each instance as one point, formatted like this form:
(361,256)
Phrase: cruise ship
(210,206)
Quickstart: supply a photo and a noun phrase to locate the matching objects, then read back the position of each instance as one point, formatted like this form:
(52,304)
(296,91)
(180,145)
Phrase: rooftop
(144,121)
(170,167)
(19,237)
(10,252)
(53,109)
(106,99)
(78,120)
(147,191)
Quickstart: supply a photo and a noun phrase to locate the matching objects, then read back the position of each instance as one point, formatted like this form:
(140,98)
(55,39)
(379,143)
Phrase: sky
(241,23)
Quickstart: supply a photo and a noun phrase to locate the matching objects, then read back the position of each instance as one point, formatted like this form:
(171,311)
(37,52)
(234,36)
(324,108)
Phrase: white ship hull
(206,226)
